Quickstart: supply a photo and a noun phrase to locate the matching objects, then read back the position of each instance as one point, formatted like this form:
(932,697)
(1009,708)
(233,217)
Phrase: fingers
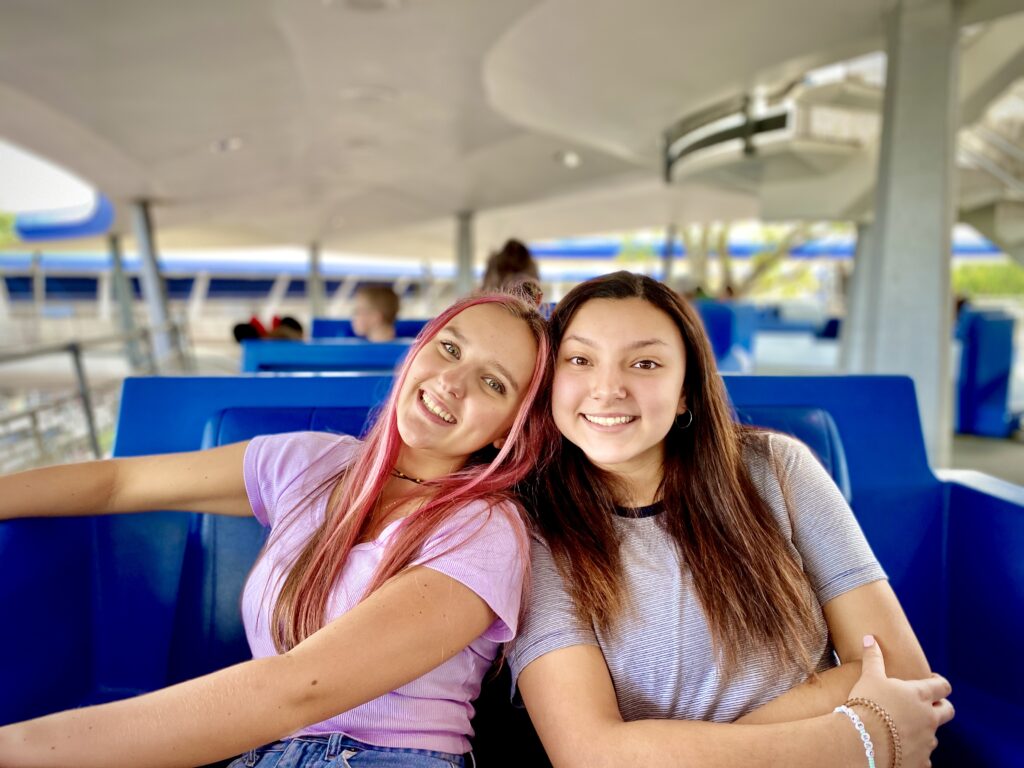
(944,710)
(872,664)
(935,687)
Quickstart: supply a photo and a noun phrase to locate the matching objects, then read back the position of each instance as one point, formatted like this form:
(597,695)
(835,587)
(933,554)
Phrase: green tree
(992,279)
(7,236)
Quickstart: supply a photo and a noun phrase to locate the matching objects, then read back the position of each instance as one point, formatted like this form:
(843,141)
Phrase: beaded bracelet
(869,748)
(894,736)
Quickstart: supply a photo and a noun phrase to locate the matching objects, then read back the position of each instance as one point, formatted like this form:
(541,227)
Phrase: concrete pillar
(38,284)
(197,297)
(5,300)
(154,292)
(668,256)
(341,300)
(277,294)
(315,282)
(906,308)
(122,289)
(464,282)
(857,326)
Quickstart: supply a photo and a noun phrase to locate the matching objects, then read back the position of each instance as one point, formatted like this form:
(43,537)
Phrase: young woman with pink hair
(393,570)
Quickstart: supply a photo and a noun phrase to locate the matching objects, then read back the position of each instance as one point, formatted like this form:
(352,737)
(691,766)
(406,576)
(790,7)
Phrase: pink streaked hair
(301,606)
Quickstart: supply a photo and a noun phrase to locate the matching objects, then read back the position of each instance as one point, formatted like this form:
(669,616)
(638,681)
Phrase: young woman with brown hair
(392,574)
(694,575)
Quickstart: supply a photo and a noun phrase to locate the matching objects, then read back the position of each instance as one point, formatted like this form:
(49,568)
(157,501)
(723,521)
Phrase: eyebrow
(501,368)
(638,344)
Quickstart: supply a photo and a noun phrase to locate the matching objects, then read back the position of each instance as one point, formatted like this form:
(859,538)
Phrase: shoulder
(485,520)
(279,466)
(300,450)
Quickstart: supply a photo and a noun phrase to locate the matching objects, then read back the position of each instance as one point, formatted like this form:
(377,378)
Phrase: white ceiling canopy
(288,121)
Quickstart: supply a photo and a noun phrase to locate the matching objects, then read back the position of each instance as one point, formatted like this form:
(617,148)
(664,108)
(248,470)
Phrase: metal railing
(139,351)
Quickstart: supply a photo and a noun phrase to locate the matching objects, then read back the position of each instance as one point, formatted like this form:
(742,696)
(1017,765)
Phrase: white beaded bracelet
(869,748)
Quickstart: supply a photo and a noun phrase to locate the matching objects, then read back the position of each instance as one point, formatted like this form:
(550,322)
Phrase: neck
(637,486)
(423,466)
(381,334)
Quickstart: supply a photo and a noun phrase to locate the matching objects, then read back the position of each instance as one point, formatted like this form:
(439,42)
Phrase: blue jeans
(341,751)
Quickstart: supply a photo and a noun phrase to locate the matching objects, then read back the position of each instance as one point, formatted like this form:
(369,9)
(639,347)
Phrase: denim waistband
(335,744)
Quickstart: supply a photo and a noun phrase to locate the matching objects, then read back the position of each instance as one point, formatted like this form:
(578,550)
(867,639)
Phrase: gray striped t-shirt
(659,655)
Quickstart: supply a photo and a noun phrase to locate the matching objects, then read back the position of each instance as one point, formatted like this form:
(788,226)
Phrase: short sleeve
(280,469)
(483,546)
(550,621)
(836,555)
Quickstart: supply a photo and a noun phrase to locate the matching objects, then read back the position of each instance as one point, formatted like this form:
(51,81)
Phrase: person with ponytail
(393,570)
(694,579)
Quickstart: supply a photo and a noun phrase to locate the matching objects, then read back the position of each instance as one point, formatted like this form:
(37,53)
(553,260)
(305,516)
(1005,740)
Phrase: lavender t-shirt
(480,546)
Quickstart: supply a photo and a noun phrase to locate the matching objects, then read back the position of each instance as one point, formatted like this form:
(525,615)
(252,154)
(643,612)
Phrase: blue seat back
(138,627)
(208,630)
(337,328)
(813,426)
(324,355)
(986,368)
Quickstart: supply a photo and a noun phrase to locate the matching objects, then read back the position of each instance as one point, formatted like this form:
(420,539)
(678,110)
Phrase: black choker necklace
(400,474)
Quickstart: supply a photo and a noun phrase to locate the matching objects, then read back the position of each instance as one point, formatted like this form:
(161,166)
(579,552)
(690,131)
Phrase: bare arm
(415,622)
(572,704)
(871,609)
(196,481)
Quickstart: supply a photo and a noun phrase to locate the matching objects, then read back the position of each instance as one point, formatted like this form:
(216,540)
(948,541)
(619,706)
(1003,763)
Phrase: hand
(918,707)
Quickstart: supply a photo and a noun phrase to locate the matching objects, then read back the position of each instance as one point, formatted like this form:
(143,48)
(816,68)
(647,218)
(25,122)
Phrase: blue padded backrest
(145,565)
(812,426)
(322,355)
(208,629)
(337,328)
(720,324)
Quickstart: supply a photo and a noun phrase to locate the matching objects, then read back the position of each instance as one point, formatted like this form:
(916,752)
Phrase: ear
(681,408)
(500,442)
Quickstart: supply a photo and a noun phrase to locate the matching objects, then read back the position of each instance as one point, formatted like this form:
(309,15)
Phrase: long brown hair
(488,474)
(753,592)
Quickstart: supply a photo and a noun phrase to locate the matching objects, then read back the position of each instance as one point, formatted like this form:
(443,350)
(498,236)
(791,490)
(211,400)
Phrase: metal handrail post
(86,398)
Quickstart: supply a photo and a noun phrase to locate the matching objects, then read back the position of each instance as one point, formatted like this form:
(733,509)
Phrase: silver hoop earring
(689,421)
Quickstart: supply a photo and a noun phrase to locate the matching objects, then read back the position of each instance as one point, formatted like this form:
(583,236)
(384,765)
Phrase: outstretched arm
(868,610)
(415,622)
(196,481)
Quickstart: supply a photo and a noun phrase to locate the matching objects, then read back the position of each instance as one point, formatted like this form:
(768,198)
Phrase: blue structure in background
(986,367)
(130,603)
(337,328)
(65,224)
(322,355)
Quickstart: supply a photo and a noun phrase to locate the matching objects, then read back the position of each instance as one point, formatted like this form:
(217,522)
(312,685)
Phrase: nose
(452,381)
(606,383)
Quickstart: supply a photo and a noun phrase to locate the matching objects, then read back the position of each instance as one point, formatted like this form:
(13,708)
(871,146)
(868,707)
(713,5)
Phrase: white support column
(904,301)
(857,327)
(104,291)
(276,295)
(315,282)
(38,284)
(668,256)
(339,306)
(464,253)
(197,297)
(5,300)
(153,289)
(122,289)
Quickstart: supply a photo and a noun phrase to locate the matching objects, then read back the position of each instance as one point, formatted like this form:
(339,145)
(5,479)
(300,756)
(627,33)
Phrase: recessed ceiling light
(568,158)
(368,94)
(227,144)
(375,6)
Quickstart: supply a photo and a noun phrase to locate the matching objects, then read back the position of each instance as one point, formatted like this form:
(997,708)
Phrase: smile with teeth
(608,421)
(435,408)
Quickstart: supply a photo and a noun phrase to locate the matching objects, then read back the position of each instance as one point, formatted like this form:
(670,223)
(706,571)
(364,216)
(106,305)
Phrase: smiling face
(464,388)
(618,387)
